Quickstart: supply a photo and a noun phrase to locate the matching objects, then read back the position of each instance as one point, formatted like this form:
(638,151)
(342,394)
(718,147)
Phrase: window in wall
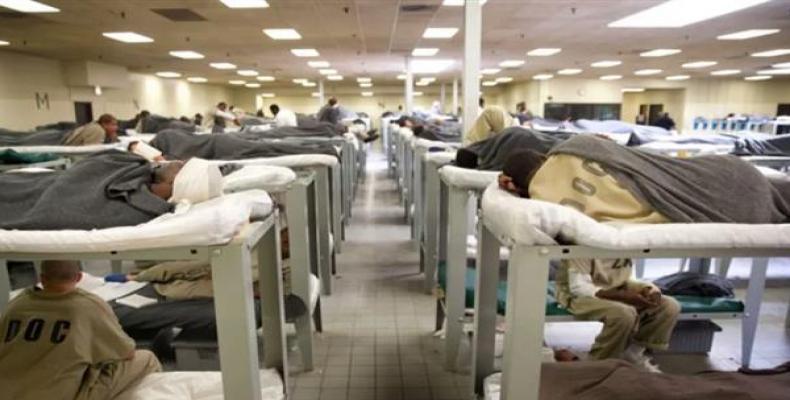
(574,111)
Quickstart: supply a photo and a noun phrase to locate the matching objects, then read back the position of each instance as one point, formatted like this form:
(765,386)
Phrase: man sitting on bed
(104,130)
(62,342)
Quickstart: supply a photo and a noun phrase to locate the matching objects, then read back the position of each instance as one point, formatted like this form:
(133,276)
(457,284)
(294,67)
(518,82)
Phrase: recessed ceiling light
(458,3)
(659,53)
(168,74)
(569,71)
(489,83)
(747,34)
(245,3)
(424,52)
(28,6)
(543,52)
(247,72)
(367,94)
(335,77)
(315,94)
(187,54)
(305,52)
(782,65)
(222,65)
(699,64)
(439,33)
(632,90)
(401,77)
(318,64)
(197,79)
(308,84)
(542,77)
(645,72)
(490,71)
(611,77)
(422,83)
(504,79)
(777,71)
(128,37)
(606,63)
(327,71)
(363,79)
(511,63)
(757,77)
(679,13)
(4,43)
(265,78)
(416,94)
(429,79)
(772,53)
(299,80)
(726,72)
(425,66)
(282,34)
(237,82)
(366,84)
(677,77)
(267,95)
(252,85)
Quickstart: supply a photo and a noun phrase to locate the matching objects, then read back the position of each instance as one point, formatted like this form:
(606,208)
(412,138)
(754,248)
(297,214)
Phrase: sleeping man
(60,342)
(609,182)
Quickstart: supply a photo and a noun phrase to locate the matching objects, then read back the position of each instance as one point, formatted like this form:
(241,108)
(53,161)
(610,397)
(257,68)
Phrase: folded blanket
(721,188)
(105,190)
(182,145)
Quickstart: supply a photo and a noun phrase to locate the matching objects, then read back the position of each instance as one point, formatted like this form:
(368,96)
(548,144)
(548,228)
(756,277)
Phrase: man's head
(60,275)
(666,115)
(275,109)
(110,125)
(144,114)
(521,107)
(164,178)
(222,105)
(519,169)
(332,101)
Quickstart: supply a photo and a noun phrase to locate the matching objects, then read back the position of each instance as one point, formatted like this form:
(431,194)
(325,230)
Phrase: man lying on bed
(609,182)
(60,342)
(108,189)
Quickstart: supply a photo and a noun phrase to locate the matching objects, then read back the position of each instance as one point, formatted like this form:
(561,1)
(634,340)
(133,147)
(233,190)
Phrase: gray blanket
(105,190)
(494,151)
(157,123)
(700,189)
(175,144)
(44,137)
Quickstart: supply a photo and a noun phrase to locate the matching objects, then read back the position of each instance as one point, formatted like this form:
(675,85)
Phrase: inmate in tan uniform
(85,135)
(585,186)
(66,346)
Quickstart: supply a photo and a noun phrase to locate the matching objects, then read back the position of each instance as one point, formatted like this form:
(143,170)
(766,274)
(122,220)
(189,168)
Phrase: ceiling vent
(417,8)
(179,14)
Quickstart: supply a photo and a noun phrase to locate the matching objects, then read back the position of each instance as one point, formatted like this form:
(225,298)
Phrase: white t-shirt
(285,117)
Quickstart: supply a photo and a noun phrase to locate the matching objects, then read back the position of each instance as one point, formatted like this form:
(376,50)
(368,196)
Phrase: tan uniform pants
(118,379)
(623,324)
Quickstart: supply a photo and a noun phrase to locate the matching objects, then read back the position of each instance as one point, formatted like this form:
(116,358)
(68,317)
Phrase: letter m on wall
(42,101)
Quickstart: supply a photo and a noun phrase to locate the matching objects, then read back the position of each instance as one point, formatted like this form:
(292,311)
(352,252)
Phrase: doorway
(653,112)
(83,112)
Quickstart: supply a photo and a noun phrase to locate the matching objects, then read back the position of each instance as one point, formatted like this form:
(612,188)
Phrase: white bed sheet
(440,157)
(405,133)
(73,150)
(691,148)
(465,178)
(212,222)
(427,144)
(198,386)
(532,222)
(292,161)
(272,179)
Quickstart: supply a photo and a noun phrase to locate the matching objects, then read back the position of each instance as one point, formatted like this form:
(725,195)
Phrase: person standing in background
(221,117)
(522,113)
(283,116)
(665,122)
(330,112)
(641,119)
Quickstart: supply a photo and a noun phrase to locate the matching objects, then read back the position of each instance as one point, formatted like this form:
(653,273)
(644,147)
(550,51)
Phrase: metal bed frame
(231,266)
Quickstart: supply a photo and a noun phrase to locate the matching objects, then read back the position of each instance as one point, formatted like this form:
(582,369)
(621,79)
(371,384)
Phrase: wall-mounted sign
(42,101)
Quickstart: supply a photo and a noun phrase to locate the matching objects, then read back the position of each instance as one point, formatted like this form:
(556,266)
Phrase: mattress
(465,178)
(198,386)
(439,157)
(293,161)
(691,148)
(428,144)
(515,220)
(405,133)
(212,222)
(272,179)
(66,150)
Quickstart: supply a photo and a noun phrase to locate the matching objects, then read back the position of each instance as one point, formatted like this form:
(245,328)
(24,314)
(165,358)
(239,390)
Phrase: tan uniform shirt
(85,135)
(585,186)
(52,346)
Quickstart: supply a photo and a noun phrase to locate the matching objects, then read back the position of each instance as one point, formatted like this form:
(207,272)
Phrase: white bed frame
(231,266)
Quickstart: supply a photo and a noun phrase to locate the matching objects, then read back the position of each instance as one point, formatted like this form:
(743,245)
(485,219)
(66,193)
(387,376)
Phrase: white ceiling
(372,37)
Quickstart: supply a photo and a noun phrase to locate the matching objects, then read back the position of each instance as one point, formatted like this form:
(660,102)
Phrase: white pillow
(197,182)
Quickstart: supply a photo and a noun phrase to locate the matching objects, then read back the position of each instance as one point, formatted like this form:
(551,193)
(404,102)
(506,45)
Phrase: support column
(321,96)
(473,22)
(455,96)
(409,87)
(442,97)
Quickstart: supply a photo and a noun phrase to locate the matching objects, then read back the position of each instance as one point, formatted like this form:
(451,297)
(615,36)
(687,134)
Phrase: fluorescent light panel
(606,64)
(168,74)
(365,85)
(267,95)
(401,77)
(127,37)
(363,79)
(335,77)
(222,65)
(252,85)
(645,72)
(776,71)
(327,71)
(569,71)
(416,93)
(747,34)
(4,43)
(504,79)
(187,54)
(424,52)
(247,72)
(726,72)
(367,94)
(282,34)
(543,52)
(489,83)
(197,79)
(245,3)
(439,33)
(308,84)
(782,65)
(265,78)
(236,82)
(422,83)
(699,64)
(632,90)
(432,66)
(315,94)
(757,77)
(772,53)
(28,6)
(299,80)
(680,13)
(659,53)
(305,52)
(542,77)
(490,71)
(611,77)
(511,63)
(677,77)
(318,64)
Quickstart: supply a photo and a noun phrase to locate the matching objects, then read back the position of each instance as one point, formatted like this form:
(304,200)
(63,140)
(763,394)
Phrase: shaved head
(58,271)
